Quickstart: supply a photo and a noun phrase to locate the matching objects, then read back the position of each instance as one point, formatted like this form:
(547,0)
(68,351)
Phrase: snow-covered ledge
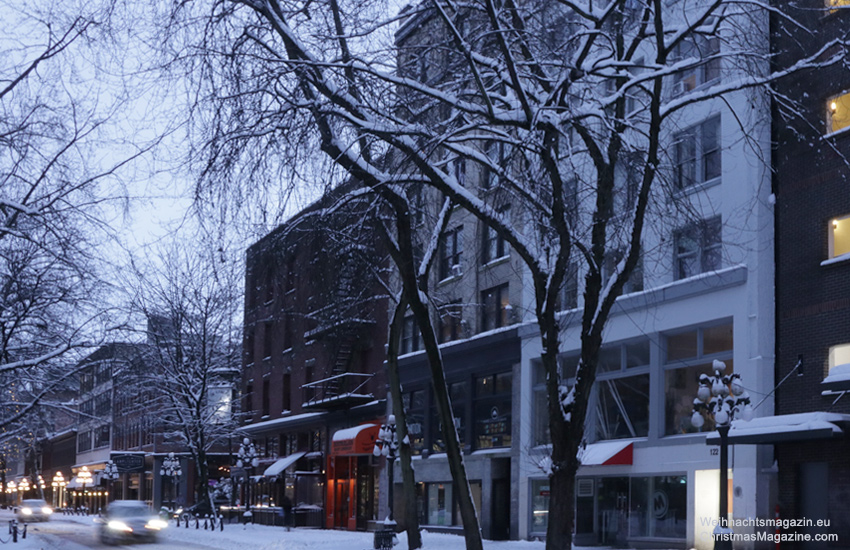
(838,378)
(837,260)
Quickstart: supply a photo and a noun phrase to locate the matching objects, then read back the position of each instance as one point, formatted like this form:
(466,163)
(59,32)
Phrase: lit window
(495,302)
(698,249)
(838,112)
(839,236)
(697,154)
(839,355)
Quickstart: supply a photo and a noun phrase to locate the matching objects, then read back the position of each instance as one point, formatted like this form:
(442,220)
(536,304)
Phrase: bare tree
(190,303)
(550,104)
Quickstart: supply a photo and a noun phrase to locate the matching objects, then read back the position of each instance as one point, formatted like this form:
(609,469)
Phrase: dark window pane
(610,359)
(637,354)
(717,339)
(623,407)
(681,346)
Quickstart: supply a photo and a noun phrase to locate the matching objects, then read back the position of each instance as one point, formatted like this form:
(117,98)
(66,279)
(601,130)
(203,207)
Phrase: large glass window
(493,411)
(458,393)
(838,112)
(659,507)
(450,322)
(409,336)
(690,354)
(698,248)
(609,264)
(622,407)
(697,154)
(439,503)
(839,237)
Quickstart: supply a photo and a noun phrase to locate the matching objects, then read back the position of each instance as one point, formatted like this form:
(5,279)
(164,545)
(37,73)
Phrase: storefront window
(659,507)
(493,411)
(539,505)
(439,503)
(458,395)
(414,404)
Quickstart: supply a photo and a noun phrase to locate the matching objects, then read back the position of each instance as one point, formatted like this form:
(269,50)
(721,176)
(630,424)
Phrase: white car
(33,510)
(129,520)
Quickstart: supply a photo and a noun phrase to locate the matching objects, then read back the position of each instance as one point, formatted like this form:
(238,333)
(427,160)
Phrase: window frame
(699,153)
(832,226)
(699,233)
(499,315)
(842,98)
(451,251)
(494,247)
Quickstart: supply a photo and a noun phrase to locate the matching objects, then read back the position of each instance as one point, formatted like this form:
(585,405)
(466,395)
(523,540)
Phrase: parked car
(33,510)
(127,521)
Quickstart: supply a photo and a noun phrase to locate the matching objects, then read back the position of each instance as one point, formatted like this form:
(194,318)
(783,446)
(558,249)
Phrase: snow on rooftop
(838,373)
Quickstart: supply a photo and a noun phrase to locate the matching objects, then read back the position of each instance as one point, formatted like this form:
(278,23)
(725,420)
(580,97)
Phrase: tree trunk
(408,482)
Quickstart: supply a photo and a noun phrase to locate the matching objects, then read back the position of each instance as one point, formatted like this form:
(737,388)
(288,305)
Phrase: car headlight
(156,524)
(26,511)
(47,510)
(116,525)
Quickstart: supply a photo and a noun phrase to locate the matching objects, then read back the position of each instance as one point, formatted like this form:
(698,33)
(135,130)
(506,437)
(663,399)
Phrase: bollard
(206,521)
(13,525)
(24,535)
(221,523)
(197,522)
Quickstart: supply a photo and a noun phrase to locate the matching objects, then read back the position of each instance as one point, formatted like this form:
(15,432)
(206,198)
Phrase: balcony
(340,391)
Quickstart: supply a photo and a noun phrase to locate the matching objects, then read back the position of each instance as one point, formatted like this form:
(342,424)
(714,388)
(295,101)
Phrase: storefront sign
(129,463)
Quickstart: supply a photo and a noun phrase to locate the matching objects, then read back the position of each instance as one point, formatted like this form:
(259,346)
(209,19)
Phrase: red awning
(359,440)
(608,453)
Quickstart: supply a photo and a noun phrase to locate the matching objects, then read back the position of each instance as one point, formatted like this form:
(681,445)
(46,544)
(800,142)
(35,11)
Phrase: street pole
(723,543)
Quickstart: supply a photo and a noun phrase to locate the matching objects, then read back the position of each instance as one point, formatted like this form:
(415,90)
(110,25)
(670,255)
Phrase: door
(500,509)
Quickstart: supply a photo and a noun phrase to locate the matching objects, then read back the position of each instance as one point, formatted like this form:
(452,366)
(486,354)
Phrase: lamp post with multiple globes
(58,485)
(722,398)
(84,476)
(171,469)
(247,459)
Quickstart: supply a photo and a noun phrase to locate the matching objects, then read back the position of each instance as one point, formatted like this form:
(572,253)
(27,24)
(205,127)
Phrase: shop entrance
(352,479)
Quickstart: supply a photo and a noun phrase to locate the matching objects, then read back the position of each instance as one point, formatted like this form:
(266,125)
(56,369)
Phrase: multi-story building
(313,377)
(703,291)
(813,282)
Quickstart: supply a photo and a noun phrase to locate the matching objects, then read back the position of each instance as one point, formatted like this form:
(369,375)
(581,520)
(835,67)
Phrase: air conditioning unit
(680,88)
(457,271)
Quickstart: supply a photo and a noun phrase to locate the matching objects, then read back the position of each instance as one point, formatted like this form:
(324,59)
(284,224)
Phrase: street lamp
(247,459)
(58,483)
(171,469)
(110,472)
(387,445)
(723,398)
(83,477)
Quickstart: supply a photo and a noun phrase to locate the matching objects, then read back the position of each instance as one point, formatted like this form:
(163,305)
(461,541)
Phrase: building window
(539,505)
(266,404)
(609,264)
(697,154)
(647,518)
(839,355)
(496,153)
(688,355)
(838,112)
(698,248)
(458,393)
(622,407)
(451,249)
(496,307)
(451,318)
(249,399)
(409,336)
(568,295)
(494,245)
(441,505)
(84,441)
(839,237)
(692,51)
(267,341)
(414,405)
(492,411)
(249,347)
(459,171)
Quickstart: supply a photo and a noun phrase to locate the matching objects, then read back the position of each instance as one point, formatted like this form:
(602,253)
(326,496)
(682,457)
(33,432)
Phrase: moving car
(33,510)
(129,520)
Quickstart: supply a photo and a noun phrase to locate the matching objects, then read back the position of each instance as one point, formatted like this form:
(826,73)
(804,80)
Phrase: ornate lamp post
(110,472)
(83,477)
(171,469)
(723,398)
(58,485)
(247,459)
(387,445)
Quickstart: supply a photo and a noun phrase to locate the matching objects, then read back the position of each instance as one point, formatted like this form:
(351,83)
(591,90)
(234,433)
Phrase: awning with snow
(282,464)
(783,428)
(608,453)
(838,378)
(359,440)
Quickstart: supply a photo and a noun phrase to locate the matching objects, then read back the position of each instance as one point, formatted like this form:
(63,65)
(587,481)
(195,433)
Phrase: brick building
(313,377)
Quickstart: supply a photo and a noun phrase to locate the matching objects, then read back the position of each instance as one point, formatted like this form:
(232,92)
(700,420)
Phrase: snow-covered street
(78,532)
